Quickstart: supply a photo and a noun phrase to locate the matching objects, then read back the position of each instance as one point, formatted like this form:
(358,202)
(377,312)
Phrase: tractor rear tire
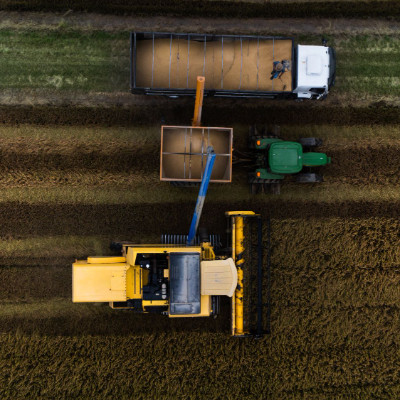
(310,142)
(309,177)
(275,188)
(255,188)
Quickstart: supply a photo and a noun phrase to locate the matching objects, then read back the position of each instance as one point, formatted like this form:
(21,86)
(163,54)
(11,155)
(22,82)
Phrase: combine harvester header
(233,65)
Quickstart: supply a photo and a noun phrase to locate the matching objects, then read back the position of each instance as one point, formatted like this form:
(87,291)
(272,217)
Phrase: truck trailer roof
(171,62)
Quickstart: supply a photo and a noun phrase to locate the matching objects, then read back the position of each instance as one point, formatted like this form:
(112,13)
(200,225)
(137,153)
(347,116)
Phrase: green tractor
(274,158)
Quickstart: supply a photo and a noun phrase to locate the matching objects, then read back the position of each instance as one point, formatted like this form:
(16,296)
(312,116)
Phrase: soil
(216,112)
(262,26)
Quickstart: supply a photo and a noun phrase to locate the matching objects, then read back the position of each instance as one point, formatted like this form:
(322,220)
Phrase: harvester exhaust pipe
(198,105)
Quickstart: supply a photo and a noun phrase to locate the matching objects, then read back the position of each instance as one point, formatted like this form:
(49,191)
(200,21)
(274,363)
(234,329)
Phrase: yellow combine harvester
(179,280)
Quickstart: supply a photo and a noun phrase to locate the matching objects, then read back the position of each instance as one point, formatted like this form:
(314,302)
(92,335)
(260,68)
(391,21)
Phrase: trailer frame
(178,92)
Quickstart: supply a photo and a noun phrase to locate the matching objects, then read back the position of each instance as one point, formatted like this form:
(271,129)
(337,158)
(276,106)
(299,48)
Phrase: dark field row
(215,113)
(125,220)
(205,8)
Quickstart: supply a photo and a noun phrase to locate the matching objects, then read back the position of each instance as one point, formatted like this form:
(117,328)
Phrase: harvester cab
(273,158)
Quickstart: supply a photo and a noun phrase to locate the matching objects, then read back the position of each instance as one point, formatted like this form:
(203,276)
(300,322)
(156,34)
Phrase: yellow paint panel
(205,309)
(118,282)
(238,213)
(134,283)
(105,260)
(146,303)
(98,283)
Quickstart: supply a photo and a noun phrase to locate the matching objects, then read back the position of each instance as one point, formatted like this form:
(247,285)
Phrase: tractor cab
(289,158)
(275,158)
(285,157)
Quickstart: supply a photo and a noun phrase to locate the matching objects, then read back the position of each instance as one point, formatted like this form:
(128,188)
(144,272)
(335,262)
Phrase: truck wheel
(310,142)
(309,177)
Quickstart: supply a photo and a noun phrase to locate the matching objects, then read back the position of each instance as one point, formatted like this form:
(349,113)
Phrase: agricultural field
(79,168)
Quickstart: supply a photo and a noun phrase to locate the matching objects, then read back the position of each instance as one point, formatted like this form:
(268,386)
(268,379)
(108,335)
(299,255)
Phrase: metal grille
(215,240)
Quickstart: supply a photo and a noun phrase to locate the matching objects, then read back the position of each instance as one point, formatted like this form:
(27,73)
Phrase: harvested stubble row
(128,158)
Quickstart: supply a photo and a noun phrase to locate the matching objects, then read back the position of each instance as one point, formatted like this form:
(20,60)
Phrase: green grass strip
(64,60)
(99,62)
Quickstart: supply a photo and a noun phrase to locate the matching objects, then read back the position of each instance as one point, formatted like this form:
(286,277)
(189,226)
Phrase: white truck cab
(315,71)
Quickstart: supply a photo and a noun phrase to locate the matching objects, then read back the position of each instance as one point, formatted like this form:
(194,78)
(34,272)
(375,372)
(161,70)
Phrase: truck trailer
(233,66)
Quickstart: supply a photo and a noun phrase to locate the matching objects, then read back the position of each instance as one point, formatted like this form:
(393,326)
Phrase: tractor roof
(286,157)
